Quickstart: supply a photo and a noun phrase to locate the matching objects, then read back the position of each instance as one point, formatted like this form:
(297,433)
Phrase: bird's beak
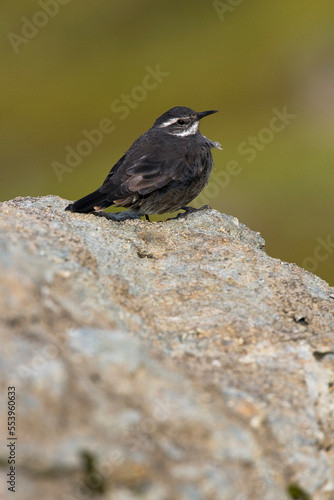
(205,113)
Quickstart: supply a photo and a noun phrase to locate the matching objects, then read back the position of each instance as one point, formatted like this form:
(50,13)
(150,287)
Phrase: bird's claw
(189,210)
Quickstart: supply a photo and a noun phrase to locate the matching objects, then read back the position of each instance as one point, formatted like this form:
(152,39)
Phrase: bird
(163,170)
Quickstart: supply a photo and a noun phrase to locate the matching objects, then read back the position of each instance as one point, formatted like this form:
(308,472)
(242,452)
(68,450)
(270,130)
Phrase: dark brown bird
(163,170)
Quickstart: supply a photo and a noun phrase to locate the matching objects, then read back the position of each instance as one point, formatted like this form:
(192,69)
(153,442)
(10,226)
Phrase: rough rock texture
(161,361)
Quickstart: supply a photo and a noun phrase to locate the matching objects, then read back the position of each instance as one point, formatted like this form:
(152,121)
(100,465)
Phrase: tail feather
(88,203)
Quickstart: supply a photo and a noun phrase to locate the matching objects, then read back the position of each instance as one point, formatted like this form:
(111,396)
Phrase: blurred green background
(67,65)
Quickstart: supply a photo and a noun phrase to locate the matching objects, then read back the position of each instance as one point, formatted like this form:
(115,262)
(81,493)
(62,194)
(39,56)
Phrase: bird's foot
(189,210)
(118,216)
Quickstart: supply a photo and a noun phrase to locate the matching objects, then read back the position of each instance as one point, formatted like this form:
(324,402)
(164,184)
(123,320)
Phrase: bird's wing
(147,174)
(143,174)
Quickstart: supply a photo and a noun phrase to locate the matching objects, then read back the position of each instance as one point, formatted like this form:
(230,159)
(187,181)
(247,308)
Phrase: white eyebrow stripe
(190,131)
(169,122)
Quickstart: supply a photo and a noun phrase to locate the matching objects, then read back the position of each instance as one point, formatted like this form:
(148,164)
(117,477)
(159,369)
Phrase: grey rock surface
(161,361)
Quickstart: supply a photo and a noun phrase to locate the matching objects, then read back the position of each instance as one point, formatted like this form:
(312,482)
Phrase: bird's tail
(90,203)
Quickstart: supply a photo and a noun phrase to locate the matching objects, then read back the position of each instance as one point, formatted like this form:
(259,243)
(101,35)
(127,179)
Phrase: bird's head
(180,121)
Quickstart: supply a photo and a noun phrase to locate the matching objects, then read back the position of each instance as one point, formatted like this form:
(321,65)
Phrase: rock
(159,361)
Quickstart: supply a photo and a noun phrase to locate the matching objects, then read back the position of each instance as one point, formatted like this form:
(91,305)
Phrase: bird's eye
(181,122)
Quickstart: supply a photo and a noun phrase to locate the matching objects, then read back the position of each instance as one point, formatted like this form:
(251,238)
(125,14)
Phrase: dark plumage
(163,170)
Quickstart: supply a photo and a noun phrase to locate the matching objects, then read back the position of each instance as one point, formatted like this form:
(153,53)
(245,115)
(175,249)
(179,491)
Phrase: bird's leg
(189,210)
(147,218)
